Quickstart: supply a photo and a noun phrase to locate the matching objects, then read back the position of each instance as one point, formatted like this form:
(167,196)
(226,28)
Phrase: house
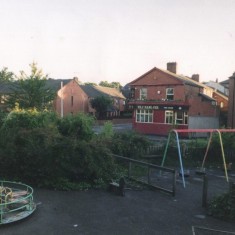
(74,97)
(162,100)
(218,86)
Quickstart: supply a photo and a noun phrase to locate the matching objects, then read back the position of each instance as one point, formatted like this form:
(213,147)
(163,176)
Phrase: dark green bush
(129,144)
(78,126)
(33,150)
(223,207)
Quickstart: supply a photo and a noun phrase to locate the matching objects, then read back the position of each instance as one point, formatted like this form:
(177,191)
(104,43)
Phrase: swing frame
(211,131)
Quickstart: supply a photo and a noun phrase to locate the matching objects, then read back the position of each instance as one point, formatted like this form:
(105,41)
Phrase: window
(170,93)
(185,118)
(71,100)
(178,117)
(143,115)
(132,94)
(169,117)
(143,93)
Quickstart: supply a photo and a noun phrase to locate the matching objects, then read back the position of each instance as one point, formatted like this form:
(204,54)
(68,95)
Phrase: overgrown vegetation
(223,206)
(43,150)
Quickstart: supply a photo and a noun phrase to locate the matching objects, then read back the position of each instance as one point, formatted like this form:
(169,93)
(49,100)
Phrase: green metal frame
(14,210)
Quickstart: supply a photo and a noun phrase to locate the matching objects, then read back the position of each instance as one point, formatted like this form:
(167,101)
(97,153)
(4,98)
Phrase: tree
(90,83)
(6,76)
(116,85)
(101,104)
(31,91)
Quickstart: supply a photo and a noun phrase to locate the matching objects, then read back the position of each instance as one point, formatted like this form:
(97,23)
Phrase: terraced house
(162,100)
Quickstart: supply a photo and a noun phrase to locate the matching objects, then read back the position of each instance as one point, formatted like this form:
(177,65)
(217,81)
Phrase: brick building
(162,100)
(73,97)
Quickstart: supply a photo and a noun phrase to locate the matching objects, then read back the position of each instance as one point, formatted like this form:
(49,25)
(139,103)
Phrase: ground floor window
(176,117)
(143,115)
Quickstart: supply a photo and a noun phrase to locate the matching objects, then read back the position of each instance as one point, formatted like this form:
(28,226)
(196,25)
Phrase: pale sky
(118,40)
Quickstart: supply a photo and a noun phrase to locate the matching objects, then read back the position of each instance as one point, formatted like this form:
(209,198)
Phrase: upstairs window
(143,93)
(170,93)
(132,94)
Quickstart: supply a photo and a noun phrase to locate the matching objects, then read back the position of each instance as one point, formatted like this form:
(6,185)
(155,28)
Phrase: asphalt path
(139,212)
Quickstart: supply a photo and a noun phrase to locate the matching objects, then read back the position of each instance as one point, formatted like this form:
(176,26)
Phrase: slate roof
(54,84)
(94,91)
(184,79)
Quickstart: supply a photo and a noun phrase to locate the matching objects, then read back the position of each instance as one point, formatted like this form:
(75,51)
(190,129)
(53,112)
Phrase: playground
(175,206)
(141,211)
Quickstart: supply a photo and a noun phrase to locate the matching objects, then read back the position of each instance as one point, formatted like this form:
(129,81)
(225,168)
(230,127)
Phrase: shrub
(129,144)
(223,207)
(78,126)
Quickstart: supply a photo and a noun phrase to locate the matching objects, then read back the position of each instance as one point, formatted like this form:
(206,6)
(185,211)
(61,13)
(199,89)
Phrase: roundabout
(16,201)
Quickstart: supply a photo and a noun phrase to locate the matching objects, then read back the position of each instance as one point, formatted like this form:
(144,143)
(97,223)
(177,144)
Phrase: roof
(91,91)
(182,78)
(94,91)
(55,84)
(207,97)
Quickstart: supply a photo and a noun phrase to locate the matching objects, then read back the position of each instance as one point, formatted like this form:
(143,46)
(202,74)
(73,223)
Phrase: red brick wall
(80,99)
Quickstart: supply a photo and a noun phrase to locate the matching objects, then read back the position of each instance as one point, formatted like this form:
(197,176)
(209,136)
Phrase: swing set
(211,131)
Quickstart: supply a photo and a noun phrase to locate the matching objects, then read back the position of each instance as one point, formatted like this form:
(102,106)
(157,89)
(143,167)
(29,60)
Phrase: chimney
(195,77)
(172,67)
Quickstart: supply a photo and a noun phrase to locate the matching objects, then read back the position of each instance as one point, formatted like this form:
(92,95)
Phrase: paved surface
(139,212)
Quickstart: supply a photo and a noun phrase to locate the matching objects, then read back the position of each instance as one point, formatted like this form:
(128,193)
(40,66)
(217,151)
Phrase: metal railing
(148,181)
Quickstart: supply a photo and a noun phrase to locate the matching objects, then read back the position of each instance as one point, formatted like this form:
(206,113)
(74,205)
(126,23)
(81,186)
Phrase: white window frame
(143,93)
(169,115)
(170,93)
(144,115)
(172,117)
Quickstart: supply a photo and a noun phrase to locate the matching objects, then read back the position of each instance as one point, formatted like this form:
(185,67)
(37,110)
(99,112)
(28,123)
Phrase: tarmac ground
(141,211)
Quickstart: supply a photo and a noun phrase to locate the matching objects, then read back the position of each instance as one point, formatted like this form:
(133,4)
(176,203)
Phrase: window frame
(144,116)
(170,95)
(143,93)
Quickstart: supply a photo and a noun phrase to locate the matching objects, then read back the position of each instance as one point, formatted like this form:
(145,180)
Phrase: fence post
(129,170)
(174,184)
(232,196)
(148,175)
(204,190)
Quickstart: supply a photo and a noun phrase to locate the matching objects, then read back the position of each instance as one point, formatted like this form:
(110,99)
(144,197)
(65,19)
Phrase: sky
(118,40)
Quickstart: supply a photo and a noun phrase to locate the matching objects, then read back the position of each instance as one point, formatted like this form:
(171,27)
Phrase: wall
(80,99)
(203,122)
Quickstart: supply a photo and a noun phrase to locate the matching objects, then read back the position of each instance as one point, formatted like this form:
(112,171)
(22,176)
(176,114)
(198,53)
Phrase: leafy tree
(31,91)
(101,104)
(6,76)
(116,85)
(90,83)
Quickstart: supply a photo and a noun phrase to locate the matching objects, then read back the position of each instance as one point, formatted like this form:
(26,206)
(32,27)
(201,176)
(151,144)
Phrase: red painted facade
(162,100)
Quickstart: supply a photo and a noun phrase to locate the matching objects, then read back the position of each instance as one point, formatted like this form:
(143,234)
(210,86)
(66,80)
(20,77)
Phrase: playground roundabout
(16,202)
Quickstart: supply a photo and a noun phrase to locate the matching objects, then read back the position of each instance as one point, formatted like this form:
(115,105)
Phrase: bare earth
(140,211)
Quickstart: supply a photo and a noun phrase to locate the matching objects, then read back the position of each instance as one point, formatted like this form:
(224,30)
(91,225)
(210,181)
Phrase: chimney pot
(172,67)
(195,77)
